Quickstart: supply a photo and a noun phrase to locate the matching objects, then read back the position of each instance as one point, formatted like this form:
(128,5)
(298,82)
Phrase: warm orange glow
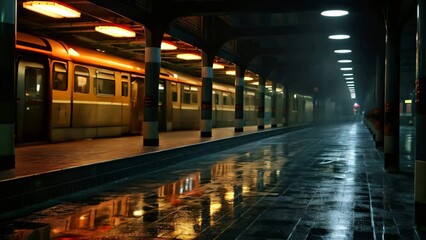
(52,9)
(248,78)
(188,56)
(230,72)
(115,31)
(167,46)
(218,66)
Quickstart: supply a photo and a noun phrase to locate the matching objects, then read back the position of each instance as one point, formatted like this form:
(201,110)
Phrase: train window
(194,95)
(105,83)
(34,83)
(60,79)
(81,80)
(186,94)
(216,98)
(225,99)
(174,92)
(231,99)
(124,89)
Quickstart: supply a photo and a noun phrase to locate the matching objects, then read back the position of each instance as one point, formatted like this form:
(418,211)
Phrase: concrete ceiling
(285,41)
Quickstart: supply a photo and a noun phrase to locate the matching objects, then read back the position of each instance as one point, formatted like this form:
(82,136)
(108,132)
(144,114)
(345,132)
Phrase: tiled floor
(318,183)
(48,157)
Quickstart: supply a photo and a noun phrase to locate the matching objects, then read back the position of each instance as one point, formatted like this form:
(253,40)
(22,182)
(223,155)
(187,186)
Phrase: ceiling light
(334,13)
(348,74)
(167,46)
(52,9)
(346,69)
(248,78)
(344,61)
(350,81)
(349,78)
(230,72)
(255,83)
(353,96)
(339,37)
(115,31)
(218,66)
(351,85)
(188,56)
(342,51)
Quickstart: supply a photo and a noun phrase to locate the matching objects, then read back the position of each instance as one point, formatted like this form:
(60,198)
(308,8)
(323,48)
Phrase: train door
(137,103)
(125,103)
(32,102)
(162,106)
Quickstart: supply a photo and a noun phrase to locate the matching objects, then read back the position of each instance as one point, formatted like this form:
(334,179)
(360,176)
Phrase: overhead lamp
(349,78)
(350,81)
(334,13)
(346,69)
(353,96)
(52,9)
(408,101)
(188,56)
(348,74)
(248,78)
(342,51)
(339,36)
(351,85)
(218,66)
(230,72)
(167,46)
(255,83)
(345,61)
(115,31)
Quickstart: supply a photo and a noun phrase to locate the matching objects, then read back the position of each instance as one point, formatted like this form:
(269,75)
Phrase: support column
(379,100)
(274,105)
(239,99)
(261,104)
(420,165)
(7,83)
(391,120)
(206,95)
(152,75)
(287,106)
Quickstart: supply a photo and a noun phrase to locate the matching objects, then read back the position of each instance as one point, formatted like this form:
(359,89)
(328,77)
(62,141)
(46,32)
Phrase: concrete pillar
(206,95)
(152,75)
(239,99)
(287,107)
(391,120)
(7,83)
(420,165)
(380,100)
(274,105)
(261,104)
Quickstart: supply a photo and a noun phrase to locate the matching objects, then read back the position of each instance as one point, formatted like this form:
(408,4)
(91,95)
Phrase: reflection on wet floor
(321,183)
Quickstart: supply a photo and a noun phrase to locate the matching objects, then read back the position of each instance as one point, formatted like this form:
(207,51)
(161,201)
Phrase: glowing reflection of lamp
(52,9)
(115,31)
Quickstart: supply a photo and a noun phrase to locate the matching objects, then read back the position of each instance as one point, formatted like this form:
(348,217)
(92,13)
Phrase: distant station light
(342,51)
(218,66)
(345,61)
(248,78)
(52,9)
(334,13)
(115,31)
(339,37)
(230,72)
(346,69)
(348,74)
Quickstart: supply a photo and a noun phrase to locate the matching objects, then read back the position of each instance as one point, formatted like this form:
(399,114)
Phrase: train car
(66,92)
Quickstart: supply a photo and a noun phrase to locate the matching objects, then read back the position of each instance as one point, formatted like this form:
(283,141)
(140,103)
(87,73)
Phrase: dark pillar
(274,105)
(391,121)
(239,99)
(7,83)
(152,75)
(206,95)
(379,100)
(420,166)
(288,109)
(261,104)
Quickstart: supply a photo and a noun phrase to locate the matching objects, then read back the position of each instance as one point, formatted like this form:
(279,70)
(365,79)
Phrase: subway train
(67,92)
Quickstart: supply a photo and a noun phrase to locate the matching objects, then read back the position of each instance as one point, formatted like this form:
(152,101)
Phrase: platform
(47,171)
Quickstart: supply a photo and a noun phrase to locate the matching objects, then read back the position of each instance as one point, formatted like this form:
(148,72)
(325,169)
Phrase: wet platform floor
(319,183)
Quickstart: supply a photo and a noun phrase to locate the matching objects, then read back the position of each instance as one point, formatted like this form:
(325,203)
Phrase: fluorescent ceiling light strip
(51,9)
